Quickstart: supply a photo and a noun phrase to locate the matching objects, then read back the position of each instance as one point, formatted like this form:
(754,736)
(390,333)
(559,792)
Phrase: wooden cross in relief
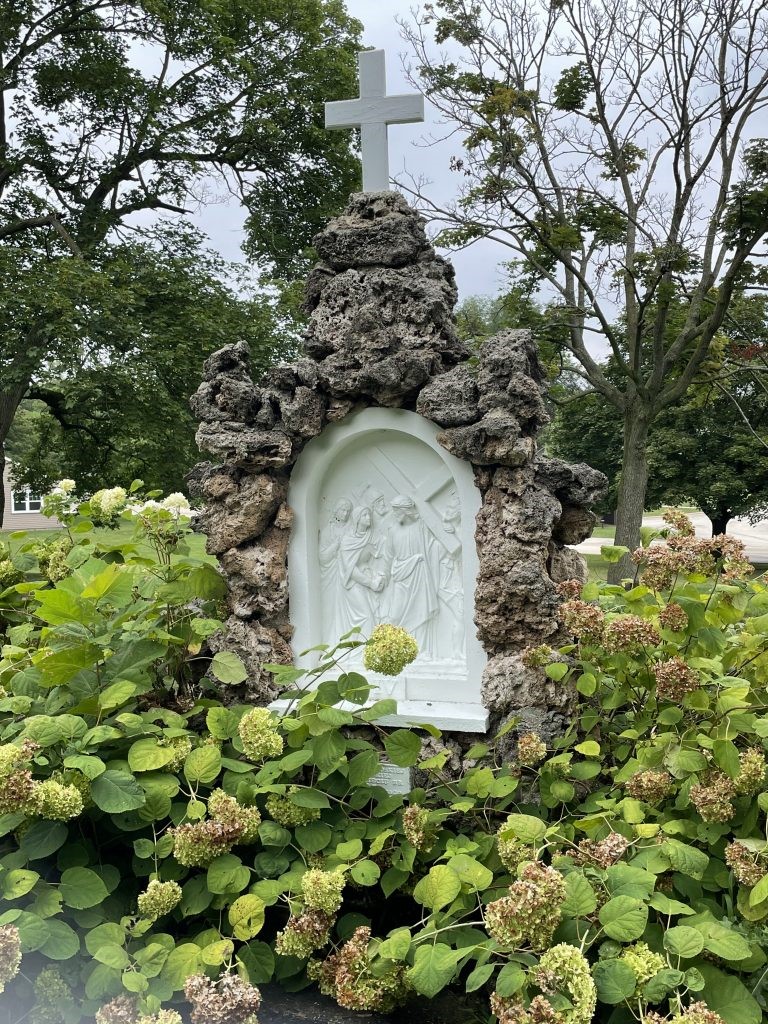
(372,113)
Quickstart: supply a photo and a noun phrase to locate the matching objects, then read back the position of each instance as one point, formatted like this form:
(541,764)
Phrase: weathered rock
(226,398)
(510,687)
(256,645)
(577,484)
(376,229)
(258,578)
(566,564)
(495,441)
(574,525)
(450,400)
(382,333)
(235,516)
(246,447)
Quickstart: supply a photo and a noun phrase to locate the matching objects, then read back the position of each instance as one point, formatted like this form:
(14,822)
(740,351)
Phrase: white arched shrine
(383,531)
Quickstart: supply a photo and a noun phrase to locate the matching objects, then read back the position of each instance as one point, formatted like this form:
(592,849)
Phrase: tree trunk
(632,487)
(9,403)
(720,520)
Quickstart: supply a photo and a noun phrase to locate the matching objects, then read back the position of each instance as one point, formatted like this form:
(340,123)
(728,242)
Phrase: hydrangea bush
(162,853)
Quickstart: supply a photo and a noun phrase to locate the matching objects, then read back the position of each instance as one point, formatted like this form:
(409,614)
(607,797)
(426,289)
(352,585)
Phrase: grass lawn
(121,535)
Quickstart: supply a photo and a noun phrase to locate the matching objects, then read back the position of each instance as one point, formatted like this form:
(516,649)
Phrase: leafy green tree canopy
(112,113)
(610,147)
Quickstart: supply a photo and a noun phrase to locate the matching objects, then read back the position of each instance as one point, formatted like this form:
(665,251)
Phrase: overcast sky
(477,269)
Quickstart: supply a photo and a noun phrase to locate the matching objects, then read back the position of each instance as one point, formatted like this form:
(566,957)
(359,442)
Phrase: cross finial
(372,113)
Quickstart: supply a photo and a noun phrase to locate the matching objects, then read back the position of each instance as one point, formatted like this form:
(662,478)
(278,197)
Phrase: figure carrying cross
(372,113)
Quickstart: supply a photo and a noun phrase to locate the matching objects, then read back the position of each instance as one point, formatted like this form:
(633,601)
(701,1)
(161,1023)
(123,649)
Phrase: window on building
(26,501)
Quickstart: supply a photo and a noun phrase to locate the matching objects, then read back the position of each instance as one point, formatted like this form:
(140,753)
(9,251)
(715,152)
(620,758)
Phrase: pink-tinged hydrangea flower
(417,828)
(120,1010)
(259,735)
(674,679)
(512,1010)
(389,650)
(531,911)
(228,811)
(530,749)
(712,797)
(304,934)
(351,979)
(651,786)
(583,620)
(631,633)
(198,844)
(570,589)
(230,1000)
(748,867)
(602,852)
(673,617)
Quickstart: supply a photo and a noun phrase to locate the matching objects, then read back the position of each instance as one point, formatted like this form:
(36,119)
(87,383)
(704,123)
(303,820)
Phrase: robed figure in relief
(414,573)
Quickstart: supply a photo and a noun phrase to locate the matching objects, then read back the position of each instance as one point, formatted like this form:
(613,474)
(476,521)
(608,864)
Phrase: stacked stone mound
(381,333)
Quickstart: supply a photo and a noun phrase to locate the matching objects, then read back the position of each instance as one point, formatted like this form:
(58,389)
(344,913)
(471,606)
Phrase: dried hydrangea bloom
(120,1010)
(751,777)
(583,620)
(712,797)
(531,749)
(603,852)
(643,962)
(564,970)
(258,733)
(161,1017)
(323,890)
(630,633)
(159,899)
(349,977)
(697,1013)
(288,814)
(651,786)
(512,1010)
(748,867)
(10,954)
(304,934)
(229,812)
(230,1000)
(680,522)
(673,617)
(17,793)
(531,911)
(389,650)
(570,589)
(417,828)
(197,844)
(674,679)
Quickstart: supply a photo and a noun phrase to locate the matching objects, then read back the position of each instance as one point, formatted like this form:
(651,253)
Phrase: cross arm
(407,108)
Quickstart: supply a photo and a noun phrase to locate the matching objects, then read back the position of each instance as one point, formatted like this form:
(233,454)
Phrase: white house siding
(22,520)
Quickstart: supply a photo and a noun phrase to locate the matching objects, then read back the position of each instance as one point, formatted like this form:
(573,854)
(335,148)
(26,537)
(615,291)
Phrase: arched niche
(383,531)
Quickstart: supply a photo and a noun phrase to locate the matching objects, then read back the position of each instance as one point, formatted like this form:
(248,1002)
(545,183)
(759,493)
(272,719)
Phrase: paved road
(754,535)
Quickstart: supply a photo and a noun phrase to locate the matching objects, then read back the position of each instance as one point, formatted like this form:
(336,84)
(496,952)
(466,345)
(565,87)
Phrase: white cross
(372,113)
